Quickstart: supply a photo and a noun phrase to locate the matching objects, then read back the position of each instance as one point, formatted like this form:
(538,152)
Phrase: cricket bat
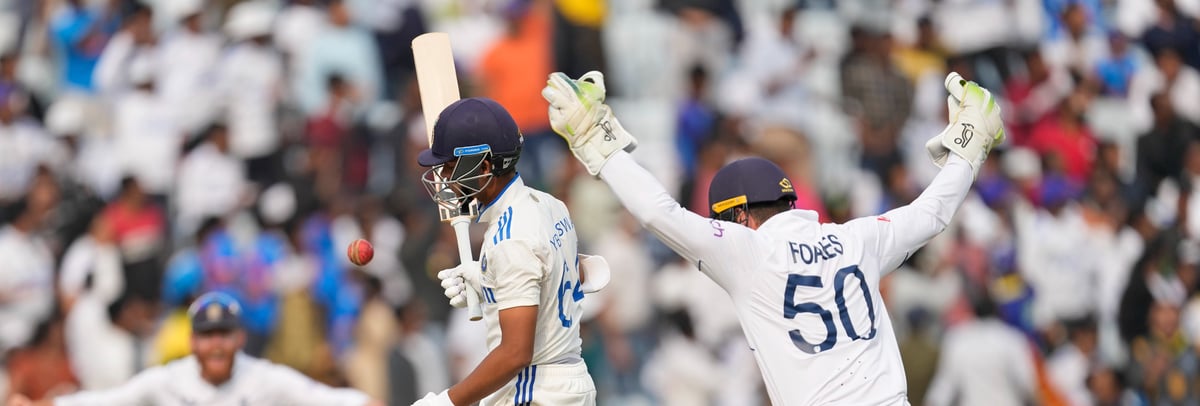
(438,83)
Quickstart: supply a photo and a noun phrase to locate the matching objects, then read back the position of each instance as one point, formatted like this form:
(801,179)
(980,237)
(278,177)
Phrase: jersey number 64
(791,308)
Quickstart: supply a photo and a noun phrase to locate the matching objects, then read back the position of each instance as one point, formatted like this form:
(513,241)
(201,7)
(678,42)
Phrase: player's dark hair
(762,211)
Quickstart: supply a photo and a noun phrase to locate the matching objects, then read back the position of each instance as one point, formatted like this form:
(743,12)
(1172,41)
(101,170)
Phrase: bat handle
(462,234)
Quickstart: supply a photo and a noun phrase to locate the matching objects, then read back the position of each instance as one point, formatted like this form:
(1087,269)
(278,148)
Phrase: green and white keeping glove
(579,115)
(975,125)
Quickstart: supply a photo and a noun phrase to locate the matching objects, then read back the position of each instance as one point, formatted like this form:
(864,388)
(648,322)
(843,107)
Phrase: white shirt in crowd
(26,286)
(251,83)
(683,372)
(24,145)
(254,382)
(102,354)
(1184,94)
(983,362)
(185,75)
(148,139)
(1068,369)
(211,184)
(810,270)
(101,261)
(296,26)
(1063,265)
(627,296)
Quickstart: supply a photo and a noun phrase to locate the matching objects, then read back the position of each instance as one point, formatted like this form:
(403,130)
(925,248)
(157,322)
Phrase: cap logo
(726,204)
(472,150)
(213,311)
(785,186)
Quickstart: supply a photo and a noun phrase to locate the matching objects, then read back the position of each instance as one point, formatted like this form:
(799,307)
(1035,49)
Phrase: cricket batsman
(528,270)
(216,374)
(806,293)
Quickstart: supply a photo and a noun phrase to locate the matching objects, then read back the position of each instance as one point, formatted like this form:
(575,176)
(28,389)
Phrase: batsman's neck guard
(455,193)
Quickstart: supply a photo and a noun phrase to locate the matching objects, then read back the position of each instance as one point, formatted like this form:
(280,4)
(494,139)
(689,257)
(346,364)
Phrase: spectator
(81,33)
(1081,48)
(1070,364)
(251,83)
(148,136)
(1032,96)
(925,56)
(518,61)
(682,371)
(25,144)
(138,223)
(1065,139)
(1173,30)
(1158,156)
(91,265)
(187,58)
(366,363)
(27,275)
(137,42)
(1118,69)
(296,26)
(984,361)
(88,156)
(42,370)
(105,341)
(1108,388)
(344,48)
(211,183)
(880,98)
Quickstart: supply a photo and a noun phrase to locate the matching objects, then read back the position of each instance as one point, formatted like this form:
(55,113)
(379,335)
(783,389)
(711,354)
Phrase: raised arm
(597,139)
(975,128)
(697,239)
(301,390)
(137,392)
(901,231)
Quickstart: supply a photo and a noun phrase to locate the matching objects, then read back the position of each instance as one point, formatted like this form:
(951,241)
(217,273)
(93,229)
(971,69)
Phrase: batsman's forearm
(497,369)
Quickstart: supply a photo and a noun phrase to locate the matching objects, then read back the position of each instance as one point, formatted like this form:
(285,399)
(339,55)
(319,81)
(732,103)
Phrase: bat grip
(462,234)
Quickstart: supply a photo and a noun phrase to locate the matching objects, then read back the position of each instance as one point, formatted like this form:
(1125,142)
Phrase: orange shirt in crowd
(514,70)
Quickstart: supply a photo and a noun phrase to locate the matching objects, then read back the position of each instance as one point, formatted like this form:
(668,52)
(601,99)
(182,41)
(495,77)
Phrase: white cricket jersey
(254,382)
(529,258)
(806,293)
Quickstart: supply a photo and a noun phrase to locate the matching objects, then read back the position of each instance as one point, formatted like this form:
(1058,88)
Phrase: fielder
(528,270)
(216,374)
(806,293)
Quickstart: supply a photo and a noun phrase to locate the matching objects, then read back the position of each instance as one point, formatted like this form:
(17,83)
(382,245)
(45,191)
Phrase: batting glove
(975,125)
(457,280)
(579,115)
(432,399)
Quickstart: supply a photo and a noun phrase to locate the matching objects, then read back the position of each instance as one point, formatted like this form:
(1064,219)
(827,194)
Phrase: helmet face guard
(455,192)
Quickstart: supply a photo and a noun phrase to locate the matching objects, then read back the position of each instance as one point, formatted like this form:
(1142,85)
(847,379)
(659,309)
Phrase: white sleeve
(898,233)
(696,238)
(297,389)
(137,392)
(516,271)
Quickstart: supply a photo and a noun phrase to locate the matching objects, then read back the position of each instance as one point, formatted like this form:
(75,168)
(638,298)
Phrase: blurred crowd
(153,150)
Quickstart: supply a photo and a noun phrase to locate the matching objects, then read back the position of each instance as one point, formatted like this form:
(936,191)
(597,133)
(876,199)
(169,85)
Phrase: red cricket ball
(360,252)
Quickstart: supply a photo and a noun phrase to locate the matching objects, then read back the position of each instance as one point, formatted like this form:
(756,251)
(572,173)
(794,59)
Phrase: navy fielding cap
(748,181)
(472,126)
(215,311)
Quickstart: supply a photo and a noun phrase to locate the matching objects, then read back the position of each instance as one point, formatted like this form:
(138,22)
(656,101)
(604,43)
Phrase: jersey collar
(505,199)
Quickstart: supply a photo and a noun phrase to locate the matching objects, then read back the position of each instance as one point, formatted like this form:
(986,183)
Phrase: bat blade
(437,81)
(436,77)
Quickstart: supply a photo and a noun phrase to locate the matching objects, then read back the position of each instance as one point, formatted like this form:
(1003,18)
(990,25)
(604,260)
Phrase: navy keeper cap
(748,181)
(472,126)
(215,311)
